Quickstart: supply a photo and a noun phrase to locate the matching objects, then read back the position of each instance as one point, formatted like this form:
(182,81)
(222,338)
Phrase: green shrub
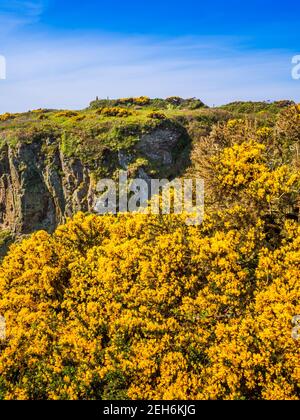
(43,117)
(78,118)
(257,107)
(157,116)
(175,100)
(191,103)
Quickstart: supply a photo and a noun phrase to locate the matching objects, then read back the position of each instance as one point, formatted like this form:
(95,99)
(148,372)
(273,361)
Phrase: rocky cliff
(41,183)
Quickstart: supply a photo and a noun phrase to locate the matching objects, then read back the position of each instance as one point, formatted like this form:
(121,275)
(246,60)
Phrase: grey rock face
(38,193)
(159,145)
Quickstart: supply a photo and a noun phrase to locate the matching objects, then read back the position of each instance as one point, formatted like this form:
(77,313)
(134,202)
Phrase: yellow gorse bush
(115,112)
(147,307)
(7,116)
(66,114)
(144,306)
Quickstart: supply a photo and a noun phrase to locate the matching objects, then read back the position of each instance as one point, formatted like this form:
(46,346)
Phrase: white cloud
(23,7)
(15,15)
(69,71)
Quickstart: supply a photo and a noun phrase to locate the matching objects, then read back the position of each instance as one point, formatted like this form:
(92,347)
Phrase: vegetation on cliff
(145,307)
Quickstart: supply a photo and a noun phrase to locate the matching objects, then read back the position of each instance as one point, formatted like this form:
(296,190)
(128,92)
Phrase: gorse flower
(145,307)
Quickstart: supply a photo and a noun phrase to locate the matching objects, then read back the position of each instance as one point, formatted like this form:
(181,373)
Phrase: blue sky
(61,54)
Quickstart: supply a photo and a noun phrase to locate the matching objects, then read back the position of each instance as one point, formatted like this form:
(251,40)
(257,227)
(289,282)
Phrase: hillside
(50,160)
(143,306)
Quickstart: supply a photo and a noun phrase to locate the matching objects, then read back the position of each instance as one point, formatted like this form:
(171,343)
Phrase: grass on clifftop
(117,124)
